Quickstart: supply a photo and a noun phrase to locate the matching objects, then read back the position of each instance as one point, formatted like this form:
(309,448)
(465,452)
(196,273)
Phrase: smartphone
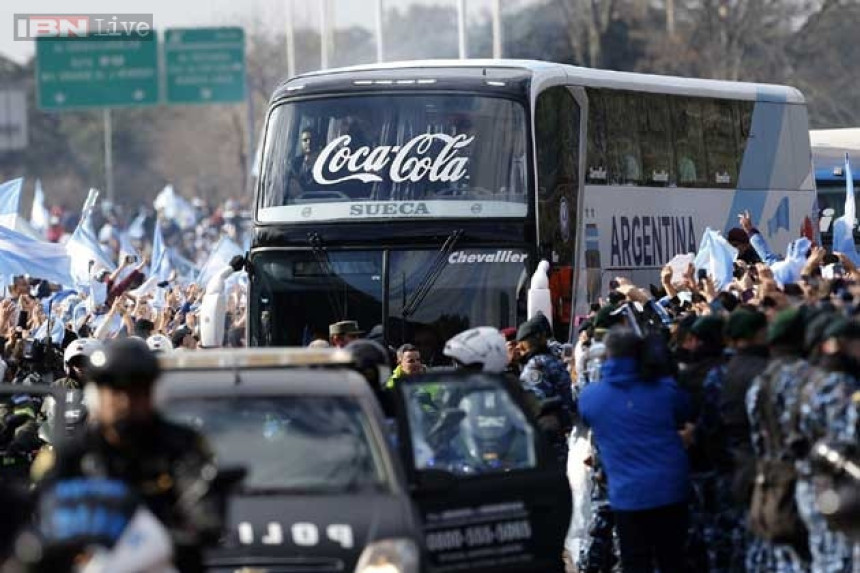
(701,274)
(23,319)
(838,270)
(130,259)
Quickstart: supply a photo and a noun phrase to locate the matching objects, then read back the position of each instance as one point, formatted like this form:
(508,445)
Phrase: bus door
(491,496)
(558,124)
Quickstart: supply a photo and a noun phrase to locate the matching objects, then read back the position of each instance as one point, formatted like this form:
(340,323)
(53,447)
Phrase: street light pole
(497,29)
(380,57)
(291,39)
(461,27)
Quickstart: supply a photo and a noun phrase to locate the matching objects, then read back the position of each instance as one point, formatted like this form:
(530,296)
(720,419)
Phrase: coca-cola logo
(408,162)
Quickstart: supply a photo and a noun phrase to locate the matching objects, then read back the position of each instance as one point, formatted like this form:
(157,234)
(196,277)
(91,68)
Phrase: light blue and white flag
(789,269)
(39,215)
(57,330)
(220,257)
(716,256)
(159,266)
(186,271)
(10,196)
(843,227)
(175,207)
(83,246)
(20,255)
(137,230)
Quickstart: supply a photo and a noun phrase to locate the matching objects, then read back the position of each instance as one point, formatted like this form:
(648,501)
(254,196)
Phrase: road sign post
(204,65)
(100,71)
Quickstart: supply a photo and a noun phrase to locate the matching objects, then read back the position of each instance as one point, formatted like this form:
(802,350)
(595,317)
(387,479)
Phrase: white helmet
(483,345)
(159,343)
(81,347)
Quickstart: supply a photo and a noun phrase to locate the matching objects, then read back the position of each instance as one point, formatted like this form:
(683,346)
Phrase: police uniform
(824,415)
(785,377)
(167,465)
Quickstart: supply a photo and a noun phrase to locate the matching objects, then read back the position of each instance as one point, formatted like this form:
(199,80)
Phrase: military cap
(743,324)
(843,328)
(708,328)
(787,328)
(344,327)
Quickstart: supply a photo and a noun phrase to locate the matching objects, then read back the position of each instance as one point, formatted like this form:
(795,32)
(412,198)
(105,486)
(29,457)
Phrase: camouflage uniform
(823,415)
(719,528)
(547,377)
(785,376)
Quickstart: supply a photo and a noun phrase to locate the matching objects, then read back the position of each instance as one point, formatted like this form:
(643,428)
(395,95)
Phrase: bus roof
(829,164)
(847,138)
(592,78)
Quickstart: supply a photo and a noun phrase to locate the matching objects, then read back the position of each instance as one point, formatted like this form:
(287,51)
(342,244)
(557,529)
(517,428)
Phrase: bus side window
(721,142)
(596,164)
(654,137)
(689,146)
(625,160)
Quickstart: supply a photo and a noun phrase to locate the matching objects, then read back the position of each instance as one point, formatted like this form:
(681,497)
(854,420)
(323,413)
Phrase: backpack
(773,512)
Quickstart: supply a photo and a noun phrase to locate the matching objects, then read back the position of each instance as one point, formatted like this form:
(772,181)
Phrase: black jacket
(169,466)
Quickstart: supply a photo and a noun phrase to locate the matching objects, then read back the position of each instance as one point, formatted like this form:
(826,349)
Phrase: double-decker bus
(417,198)
(829,147)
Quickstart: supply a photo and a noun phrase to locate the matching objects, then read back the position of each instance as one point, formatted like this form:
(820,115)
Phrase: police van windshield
(295,443)
(405,155)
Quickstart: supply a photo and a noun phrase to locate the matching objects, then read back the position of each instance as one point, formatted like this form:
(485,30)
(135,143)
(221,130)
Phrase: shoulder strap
(773,434)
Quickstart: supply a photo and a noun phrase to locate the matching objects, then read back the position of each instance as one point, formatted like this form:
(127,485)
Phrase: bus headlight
(389,556)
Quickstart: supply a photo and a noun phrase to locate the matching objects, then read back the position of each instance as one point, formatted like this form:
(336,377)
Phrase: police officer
(775,394)
(76,360)
(823,415)
(543,373)
(723,430)
(169,466)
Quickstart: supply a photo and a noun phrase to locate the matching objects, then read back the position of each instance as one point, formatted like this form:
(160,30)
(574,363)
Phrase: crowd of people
(692,415)
(695,412)
(39,319)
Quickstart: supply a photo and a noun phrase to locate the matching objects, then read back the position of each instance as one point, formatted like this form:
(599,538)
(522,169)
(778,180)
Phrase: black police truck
(464,485)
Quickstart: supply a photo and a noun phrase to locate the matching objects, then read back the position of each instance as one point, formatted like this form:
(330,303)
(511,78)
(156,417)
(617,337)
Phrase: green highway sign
(99,71)
(204,65)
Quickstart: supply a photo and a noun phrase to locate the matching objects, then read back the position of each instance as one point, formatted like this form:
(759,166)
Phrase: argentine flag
(10,196)
(843,227)
(160,263)
(83,246)
(20,255)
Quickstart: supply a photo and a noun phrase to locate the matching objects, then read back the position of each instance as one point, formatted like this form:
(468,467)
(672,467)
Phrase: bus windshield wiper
(324,261)
(436,268)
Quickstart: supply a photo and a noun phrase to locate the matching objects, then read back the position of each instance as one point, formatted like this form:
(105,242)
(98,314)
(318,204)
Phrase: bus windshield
(383,156)
(431,296)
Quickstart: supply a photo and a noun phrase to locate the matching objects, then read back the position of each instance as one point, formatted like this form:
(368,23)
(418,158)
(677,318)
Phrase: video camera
(41,355)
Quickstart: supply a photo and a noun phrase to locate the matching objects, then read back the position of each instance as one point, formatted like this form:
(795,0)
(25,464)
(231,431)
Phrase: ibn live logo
(81,26)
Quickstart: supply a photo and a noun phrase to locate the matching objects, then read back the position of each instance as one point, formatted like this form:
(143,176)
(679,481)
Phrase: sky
(186,13)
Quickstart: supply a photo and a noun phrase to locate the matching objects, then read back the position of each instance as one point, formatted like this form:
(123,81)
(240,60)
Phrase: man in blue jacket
(635,423)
